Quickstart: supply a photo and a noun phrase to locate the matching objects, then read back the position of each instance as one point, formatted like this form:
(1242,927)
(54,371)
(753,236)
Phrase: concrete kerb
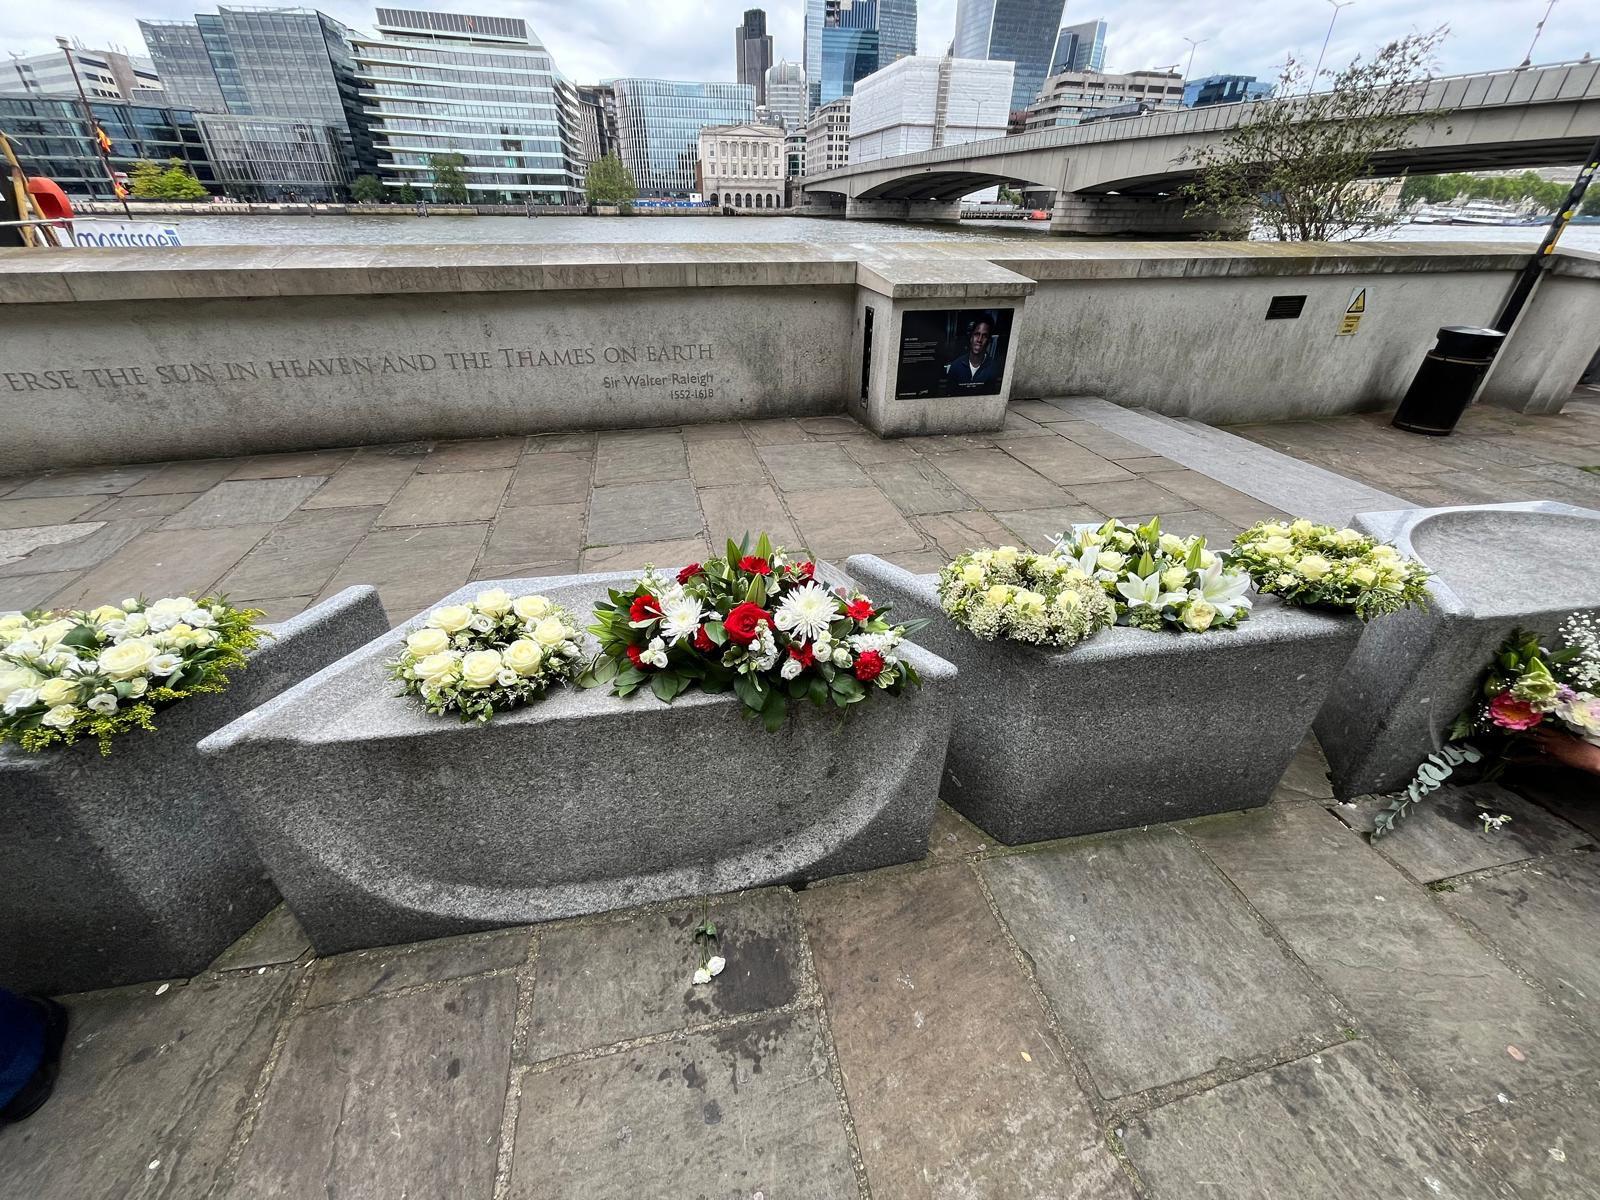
(406,826)
(133,867)
(1128,728)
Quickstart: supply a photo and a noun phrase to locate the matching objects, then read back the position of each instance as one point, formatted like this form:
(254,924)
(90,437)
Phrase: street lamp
(1538,29)
(1193,45)
(1337,5)
(88,116)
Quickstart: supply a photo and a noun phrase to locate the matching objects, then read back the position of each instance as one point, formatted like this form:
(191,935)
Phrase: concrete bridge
(1118,176)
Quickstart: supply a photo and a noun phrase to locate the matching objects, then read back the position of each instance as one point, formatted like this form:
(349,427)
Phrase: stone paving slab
(292,464)
(371,1099)
(362,973)
(1552,788)
(1542,916)
(1038,527)
(1443,836)
(1460,1023)
(998,481)
(1339,1125)
(597,984)
(15,544)
(165,562)
(156,504)
(916,488)
(635,556)
(365,481)
(32,591)
(301,554)
(151,1092)
(87,481)
(80,553)
(955,1083)
(1545,1144)
(555,477)
(732,512)
(747,1111)
(550,533)
(643,512)
(182,477)
(637,457)
(481,454)
(245,502)
(277,938)
(831,522)
(447,498)
(812,467)
(1155,968)
(724,461)
(47,510)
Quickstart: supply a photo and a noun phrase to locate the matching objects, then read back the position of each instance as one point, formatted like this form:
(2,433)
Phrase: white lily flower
(1147,592)
(1224,590)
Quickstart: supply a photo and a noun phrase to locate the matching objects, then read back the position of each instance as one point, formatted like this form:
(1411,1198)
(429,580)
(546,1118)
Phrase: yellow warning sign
(1348,324)
(1358,302)
(1351,321)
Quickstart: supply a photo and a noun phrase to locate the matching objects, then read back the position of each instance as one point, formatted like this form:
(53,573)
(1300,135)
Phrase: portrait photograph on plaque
(952,352)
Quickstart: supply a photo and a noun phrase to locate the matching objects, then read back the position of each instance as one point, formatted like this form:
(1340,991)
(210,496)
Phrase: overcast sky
(693,39)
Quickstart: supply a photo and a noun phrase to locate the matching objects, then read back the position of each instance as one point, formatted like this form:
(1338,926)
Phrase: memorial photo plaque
(952,352)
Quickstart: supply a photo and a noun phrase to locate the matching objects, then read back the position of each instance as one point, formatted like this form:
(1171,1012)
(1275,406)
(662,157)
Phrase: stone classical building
(923,103)
(1074,97)
(828,137)
(743,166)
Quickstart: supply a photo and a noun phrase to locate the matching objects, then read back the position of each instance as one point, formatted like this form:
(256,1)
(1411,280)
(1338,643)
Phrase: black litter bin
(1447,379)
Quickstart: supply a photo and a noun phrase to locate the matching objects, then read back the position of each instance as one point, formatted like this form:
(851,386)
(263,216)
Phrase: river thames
(344,230)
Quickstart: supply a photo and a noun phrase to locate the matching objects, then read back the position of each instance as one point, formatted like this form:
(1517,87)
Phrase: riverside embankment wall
(128,355)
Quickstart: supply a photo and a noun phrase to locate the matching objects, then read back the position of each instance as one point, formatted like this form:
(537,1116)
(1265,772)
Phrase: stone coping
(922,268)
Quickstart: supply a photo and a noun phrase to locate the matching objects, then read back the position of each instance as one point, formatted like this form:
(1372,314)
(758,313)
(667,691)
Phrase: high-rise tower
(752,52)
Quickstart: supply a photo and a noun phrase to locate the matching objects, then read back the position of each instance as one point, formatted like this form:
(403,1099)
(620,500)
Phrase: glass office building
(52,139)
(1080,48)
(482,87)
(1224,89)
(1015,31)
(276,158)
(829,25)
(897,30)
(659,123)
(184,64)
(848,56)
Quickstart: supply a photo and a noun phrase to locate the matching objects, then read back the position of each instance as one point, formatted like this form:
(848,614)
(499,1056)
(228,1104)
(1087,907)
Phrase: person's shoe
(37,1090)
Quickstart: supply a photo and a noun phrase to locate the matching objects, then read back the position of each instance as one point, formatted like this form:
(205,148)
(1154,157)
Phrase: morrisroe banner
(953,352)
(123,234)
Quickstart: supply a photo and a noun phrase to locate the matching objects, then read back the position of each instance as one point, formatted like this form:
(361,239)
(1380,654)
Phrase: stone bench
(133,867)
(1497,567)
(1129,727)
(403,826)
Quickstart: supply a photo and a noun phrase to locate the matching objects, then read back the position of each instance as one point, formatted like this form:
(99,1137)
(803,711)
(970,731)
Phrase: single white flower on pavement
(715,963)
(806,612)
(701,975)
(1224,590)
(681,617)
(1147,592)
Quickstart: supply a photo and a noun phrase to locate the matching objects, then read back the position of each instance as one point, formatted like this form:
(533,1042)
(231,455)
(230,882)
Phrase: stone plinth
(134,867)
(403,825)
(1129,727)
(1497,567)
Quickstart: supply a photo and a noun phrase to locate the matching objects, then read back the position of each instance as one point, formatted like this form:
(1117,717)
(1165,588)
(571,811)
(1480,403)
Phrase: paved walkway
(1259,1005)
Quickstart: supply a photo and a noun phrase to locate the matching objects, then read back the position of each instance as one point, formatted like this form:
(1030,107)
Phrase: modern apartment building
(482,87)
(106,74)
(1023,32)
(742,166)
(597,121)
(786,93)
(923,103)
(752,52)
(1074,97)
(659,123)
(1080,47)
(52,139)
(828,137)
(1224,89)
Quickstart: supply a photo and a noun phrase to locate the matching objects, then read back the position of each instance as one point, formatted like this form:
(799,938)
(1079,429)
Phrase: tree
(366,189)
(1301,167)
(1591,202)
(407,193)
(1007,196)
(175,182)
(610,182)
(145,181)
(449,180)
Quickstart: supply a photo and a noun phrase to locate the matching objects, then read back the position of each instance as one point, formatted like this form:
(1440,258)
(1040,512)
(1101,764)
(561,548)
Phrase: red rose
(744,622)
(643,608)
(636,658)
(804,569)
(756,566)
(703,642)
(860,609)
(869,666)
(688,572)
(803,655)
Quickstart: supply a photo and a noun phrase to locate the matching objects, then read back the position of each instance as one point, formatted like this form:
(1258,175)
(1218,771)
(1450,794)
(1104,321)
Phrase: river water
(411,230)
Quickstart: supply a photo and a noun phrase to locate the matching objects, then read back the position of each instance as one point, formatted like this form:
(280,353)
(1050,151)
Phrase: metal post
(1527,59)
(1193,46)
(1541,259)
(1337,5)
(88,116)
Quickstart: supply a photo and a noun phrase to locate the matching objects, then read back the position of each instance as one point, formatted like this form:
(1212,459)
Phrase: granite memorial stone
(1129,727)
(405,826)
(1497,567)
(132,867)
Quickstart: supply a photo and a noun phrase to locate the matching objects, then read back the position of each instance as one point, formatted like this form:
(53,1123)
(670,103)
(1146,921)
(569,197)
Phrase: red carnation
(636,658)
(745,621)
(869,666)
(688,572)
(644,608)
(756,566)
(805,569)
(803,655)
(703,642)
(860,609)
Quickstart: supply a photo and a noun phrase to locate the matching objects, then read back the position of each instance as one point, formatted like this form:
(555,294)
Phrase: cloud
(693,39)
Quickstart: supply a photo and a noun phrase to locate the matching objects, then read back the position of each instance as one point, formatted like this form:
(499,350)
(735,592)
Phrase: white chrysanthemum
(806,612)
(681,616)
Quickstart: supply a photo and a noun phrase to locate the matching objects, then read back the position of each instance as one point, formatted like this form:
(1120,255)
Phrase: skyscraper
(659,123)
(786,93)
(1016,31)
(481,87)
(897,30)
(752,52)
(842,45)
(1080,47)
